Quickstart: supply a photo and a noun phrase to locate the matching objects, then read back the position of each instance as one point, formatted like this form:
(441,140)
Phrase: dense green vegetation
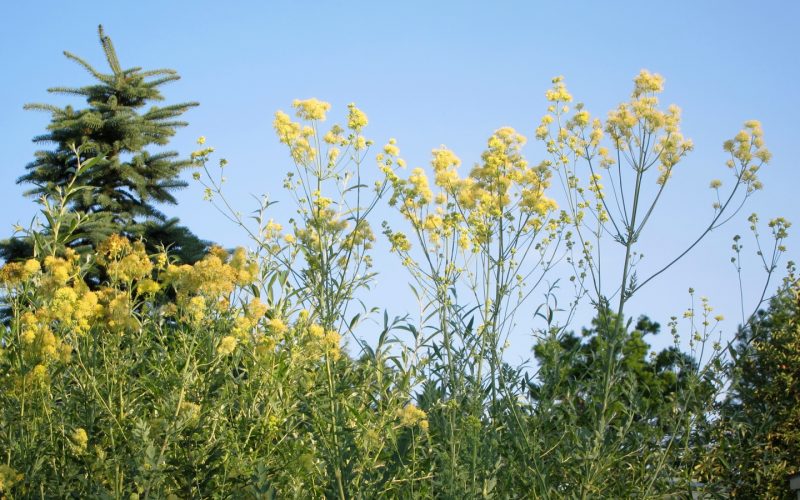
(140,362)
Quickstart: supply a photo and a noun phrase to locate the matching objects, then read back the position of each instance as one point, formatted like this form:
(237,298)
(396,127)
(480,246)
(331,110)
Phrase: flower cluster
(325,342)
(410,416)
(502,193)
(748,154)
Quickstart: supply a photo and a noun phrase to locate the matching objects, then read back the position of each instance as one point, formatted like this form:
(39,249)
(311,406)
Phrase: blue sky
(432,73)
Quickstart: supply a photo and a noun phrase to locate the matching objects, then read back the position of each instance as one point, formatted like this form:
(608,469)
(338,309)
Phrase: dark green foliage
(758,436)
(610,418)
(574,362)
(129,182)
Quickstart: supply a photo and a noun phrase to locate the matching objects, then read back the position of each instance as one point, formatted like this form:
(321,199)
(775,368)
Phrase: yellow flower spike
(63,302)
(13,274)
(356,119)
(227,345)
(27,336)
(246,269)
(410,415)
(31,267)
(419,181)
(316,331)
(113,247)
(331,344)
(333,156)
(58,269)
(311,109)
(286,129)
(65,353)
(391,148)
(256,309)
(79,439)
(334,136)
(189,410)
(582,118)
(559,91)
(295,137)
(444,164)
(196,310)
(647,83)
(277,326)
(147,287)
(8,477)
(39,375)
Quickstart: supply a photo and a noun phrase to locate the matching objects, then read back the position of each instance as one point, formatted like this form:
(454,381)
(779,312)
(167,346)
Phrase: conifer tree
(128,184)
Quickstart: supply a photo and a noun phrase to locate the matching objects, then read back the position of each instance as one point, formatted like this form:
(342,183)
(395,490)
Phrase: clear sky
(432,73)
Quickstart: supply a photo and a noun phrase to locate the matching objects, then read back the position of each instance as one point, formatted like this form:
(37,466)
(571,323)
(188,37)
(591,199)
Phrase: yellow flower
(582,118)
(410,416)
(12,274)
(422,190)
(559,92)
(47,343)
(8,478)
(356,119)
(276,325)
(391,148)
(27,336)
(399,242)
(39,374)
(196,310)
(80,439)
(334,136)
(227,345)
(646,82)
(65,353)
(32,266)
(147,287)
(316,331)
(190,411)
(294,136)
(118,309)
(63,302)
(330,343)
(113,247)
(271,229)
(311,109)
(246,269)
(444,164)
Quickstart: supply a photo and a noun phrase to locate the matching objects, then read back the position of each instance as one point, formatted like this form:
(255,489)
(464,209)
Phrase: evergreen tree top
(119,124)
(114,126)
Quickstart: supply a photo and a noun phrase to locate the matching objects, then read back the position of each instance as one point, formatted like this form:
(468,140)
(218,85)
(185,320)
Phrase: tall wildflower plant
(361,411)
(613,175)
(125,374)
(492,235)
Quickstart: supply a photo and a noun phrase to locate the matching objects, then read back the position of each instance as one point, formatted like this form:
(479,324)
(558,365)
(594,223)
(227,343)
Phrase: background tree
(571,362)
(757,438)
(648,409)
(129,182)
